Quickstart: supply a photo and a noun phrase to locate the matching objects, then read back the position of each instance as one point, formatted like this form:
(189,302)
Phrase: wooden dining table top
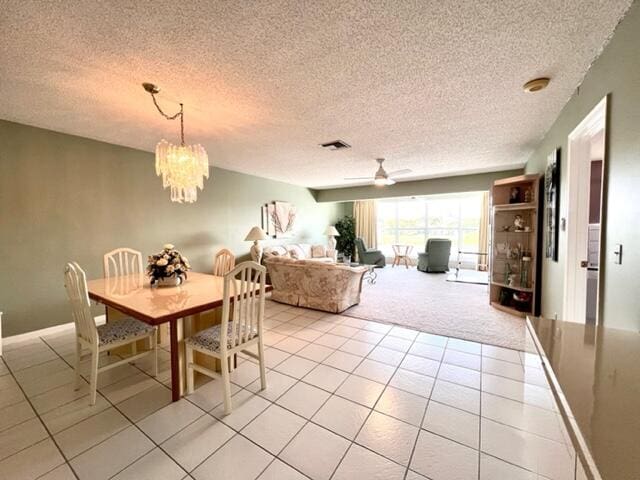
(134,296)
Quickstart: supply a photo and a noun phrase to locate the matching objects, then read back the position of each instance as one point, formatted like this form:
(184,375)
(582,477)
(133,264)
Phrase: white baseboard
(100,319)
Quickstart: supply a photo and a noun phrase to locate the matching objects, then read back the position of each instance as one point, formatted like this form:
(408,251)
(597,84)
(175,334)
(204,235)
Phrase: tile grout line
(351,373)
(424,414)
(238,432)
(116,433)
(53,440)
(307,421)
(331,394)
(298,380)
(372,409)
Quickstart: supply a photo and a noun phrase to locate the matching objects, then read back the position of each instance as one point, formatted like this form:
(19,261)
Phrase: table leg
(175,360)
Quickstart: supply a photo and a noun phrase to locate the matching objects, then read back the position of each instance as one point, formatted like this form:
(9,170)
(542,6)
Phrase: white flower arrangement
(166,264)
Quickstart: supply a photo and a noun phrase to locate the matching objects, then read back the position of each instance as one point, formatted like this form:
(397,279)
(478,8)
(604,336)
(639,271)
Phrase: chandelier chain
(172,117)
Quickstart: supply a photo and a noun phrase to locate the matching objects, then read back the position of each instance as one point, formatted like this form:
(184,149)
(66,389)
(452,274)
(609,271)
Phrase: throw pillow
(318,251)
(296,252)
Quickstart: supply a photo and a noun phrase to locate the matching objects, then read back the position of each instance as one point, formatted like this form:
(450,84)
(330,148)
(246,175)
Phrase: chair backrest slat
(224,262)
(122,261)
(247,294)
(76,285)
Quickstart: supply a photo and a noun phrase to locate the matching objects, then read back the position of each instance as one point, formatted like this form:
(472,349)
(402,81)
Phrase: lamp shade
(256,233)
(332,231)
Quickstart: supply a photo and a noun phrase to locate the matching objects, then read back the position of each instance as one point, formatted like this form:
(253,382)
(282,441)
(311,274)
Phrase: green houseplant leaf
(345,243)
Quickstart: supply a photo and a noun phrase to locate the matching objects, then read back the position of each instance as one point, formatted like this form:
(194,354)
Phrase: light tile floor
(346,398)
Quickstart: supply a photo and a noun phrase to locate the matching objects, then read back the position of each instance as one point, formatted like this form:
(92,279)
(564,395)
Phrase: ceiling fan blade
(358,178)
(399,172)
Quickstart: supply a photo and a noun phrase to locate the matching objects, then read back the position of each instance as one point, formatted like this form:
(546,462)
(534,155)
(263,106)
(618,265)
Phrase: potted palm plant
(346,226)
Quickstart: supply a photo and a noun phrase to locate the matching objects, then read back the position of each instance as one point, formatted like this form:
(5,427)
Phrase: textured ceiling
(434,86)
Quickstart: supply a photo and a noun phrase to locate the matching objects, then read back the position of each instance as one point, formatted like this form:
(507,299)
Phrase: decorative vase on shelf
(167,268)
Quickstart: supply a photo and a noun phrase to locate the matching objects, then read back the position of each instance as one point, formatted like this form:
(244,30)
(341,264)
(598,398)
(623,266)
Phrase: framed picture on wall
(552,204)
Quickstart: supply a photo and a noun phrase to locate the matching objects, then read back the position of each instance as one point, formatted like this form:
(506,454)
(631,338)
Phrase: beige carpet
(427,302)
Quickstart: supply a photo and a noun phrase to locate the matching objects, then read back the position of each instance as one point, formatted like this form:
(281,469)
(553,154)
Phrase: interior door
(581,210)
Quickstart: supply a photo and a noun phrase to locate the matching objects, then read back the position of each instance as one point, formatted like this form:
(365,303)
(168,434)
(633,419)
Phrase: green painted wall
(617,73)
(432,186)
(70,198)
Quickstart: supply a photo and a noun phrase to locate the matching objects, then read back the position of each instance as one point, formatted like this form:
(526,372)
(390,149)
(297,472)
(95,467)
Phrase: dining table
(133,296)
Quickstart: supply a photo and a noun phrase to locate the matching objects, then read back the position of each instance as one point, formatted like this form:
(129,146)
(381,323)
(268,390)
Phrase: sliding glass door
(411,221)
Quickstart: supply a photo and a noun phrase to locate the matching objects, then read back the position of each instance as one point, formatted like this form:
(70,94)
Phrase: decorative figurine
(528,195)
(514,196)
(518,223)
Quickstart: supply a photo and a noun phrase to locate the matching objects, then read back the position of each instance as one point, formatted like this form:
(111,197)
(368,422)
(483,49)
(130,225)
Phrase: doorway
(583,216)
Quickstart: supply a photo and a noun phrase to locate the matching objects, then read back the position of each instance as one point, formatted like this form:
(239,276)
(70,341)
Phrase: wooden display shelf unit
(515,238)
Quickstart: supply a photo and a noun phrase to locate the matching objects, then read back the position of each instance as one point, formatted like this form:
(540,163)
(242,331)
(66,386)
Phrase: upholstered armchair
(369,256)
(435,257)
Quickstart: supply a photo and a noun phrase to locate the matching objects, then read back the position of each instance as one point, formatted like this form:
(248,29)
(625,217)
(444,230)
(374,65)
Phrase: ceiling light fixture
(183,167)
(536,84)
(382,182)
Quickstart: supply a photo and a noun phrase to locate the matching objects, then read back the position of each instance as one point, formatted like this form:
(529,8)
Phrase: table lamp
(256,234)
(332,233)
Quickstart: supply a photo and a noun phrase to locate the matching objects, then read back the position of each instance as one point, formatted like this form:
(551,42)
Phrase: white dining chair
(105,337)
(122,261)
(240,328)
(223,262)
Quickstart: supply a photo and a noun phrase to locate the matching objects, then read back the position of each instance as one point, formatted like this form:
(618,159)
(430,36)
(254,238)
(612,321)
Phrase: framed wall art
(552,204)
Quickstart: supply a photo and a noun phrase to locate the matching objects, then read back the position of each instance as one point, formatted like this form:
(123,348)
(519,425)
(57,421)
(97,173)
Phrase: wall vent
(335,145)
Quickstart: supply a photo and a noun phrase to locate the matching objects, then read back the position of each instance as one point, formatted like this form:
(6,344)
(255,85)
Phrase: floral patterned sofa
(321,286)
(302,251)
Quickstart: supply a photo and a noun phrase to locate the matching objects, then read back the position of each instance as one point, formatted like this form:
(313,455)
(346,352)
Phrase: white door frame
(574,207)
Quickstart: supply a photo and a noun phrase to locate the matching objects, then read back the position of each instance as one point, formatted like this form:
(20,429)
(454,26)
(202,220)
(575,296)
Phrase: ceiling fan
(382,178)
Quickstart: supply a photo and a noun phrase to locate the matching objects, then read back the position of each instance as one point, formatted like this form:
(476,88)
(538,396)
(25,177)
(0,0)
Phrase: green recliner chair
(369,256)
(435,257)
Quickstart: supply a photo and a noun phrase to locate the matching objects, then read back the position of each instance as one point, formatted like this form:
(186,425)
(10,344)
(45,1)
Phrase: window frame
(426,230)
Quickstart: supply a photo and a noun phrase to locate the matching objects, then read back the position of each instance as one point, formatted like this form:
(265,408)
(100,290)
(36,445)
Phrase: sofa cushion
(318,251)
(306,249)
(296,252)
(276,251)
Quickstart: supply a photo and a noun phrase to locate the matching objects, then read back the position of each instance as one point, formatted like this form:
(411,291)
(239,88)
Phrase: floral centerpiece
(167,268)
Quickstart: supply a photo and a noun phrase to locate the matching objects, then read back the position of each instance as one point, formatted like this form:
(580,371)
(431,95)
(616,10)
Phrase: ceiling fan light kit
(382,178)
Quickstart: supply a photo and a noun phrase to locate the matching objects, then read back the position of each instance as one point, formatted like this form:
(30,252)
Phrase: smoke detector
(536,84)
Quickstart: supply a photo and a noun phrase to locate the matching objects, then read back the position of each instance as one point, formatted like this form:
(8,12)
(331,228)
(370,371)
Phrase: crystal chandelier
(183,167)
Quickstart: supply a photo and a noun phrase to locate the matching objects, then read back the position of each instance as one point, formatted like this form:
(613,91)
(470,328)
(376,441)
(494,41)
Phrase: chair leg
(77,364)
(233,364)
(95,357)
(190,372)
(226,385)
(153,340)
(263,373)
